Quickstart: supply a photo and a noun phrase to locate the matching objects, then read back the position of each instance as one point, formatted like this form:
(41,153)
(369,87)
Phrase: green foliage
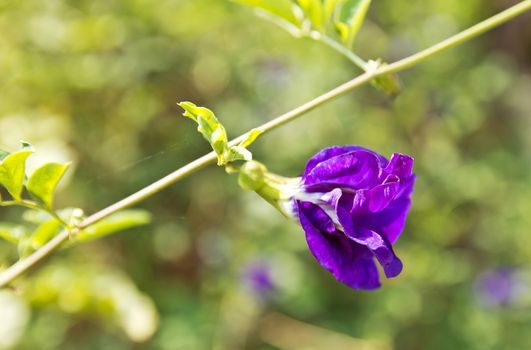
(250,137)
(336,23)
(12,172)
(117,222)
(44,232)
(43,223)
(313,11)
(333,18)
(98,294)
(350,17)
(42,182)
(208,126)
(214,132)
(280,8)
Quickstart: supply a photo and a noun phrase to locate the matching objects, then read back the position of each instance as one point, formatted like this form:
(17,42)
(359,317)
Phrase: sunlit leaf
(44,232)
(279,8)
(210,127)
(12,172)
(250,137)
(350,18)
(329,7)
(313,10)
(42,183)
(116,222)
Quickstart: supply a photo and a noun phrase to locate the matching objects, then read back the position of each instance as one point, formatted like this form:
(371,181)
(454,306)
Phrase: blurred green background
(97,82)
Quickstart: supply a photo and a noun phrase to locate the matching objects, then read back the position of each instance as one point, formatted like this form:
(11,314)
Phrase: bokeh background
(97,82)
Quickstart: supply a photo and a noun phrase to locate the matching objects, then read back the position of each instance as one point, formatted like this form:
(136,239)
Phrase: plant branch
(17,269)
(351,56)
(315,35)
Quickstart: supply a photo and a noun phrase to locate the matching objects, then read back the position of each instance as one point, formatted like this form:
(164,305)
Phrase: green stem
(22,266)
(315,35)
(459,38)
(357,60)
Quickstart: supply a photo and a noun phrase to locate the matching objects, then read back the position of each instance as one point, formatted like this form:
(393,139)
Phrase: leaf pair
(341,18)
(40,185)
(214,132)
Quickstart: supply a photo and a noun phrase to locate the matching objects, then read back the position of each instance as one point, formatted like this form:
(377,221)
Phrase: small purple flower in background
(500,287)
(353,207)
(258,279)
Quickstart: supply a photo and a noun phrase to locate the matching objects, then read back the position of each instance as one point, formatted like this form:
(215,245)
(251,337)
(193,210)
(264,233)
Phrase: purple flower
(353,205)
(500,287)
(257,277)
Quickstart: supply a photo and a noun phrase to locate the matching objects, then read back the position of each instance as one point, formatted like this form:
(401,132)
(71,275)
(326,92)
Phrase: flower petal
(391,221)
(383,251)
(335,151)
(378,245)
(376,199)
(317,217)
(349,262)
(355,170)
(400,165)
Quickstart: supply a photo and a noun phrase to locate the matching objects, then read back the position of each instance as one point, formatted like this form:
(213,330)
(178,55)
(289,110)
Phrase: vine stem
(20,267)
(351,56)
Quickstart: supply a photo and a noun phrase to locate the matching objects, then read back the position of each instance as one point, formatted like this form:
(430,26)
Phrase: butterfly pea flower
(352,204)
(258,278)
(501,287)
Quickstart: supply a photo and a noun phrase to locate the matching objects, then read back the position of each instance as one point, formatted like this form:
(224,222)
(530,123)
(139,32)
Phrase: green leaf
(279,8)
(12,172)
(214,132)
(44,232)
(314,12)
(47,226)
(329,7)
(350,18)
(114,223)
(42,183)
(11,232)
(250,137)
(210,127)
